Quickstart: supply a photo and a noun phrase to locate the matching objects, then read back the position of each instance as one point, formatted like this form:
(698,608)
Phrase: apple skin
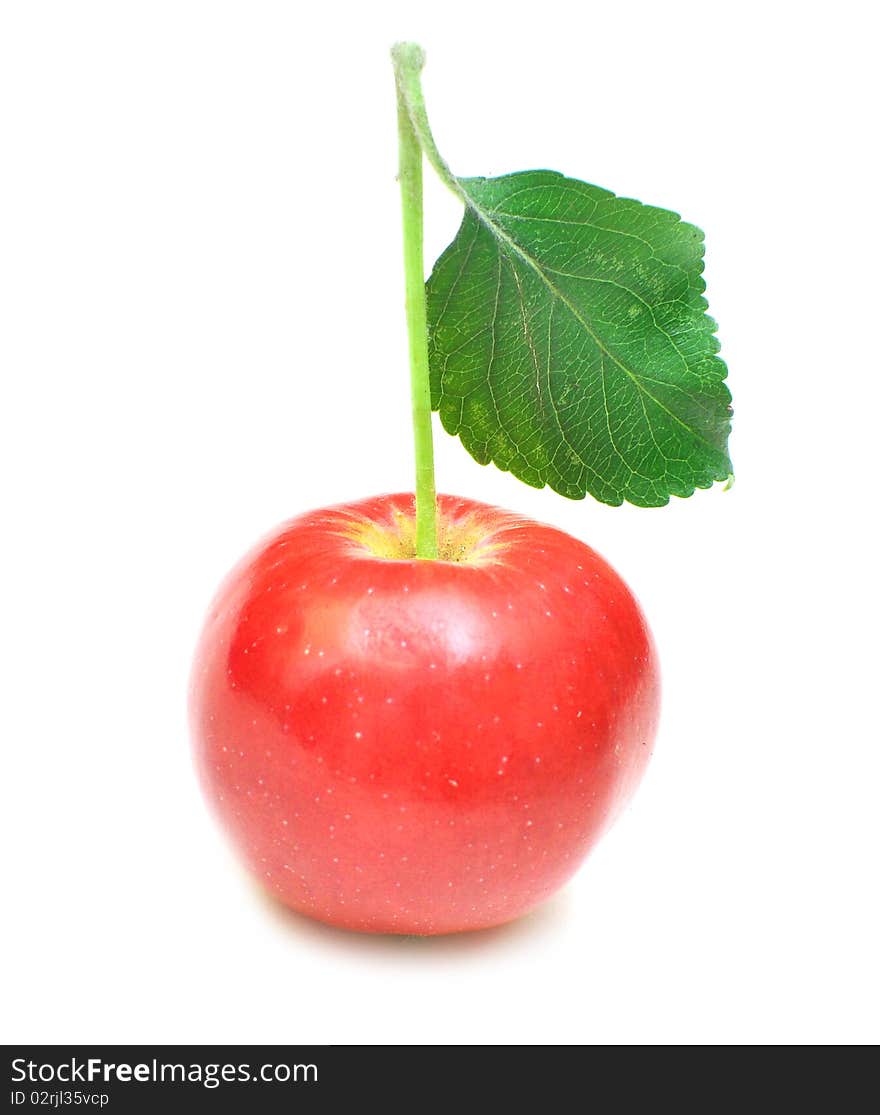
(406,746)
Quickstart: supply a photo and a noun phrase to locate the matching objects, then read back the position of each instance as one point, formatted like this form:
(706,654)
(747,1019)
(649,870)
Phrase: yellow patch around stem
(462,540)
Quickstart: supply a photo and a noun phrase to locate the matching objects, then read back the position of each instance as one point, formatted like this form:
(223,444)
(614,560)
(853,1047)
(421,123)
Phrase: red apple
(407,746)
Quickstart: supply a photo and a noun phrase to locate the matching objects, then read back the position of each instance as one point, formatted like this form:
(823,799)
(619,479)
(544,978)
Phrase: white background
(202,334)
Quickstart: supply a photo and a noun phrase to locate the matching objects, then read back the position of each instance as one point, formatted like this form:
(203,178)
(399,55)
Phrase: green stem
(408,59)
(408,62)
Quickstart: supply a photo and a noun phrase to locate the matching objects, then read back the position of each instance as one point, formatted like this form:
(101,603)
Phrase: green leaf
(569,342)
